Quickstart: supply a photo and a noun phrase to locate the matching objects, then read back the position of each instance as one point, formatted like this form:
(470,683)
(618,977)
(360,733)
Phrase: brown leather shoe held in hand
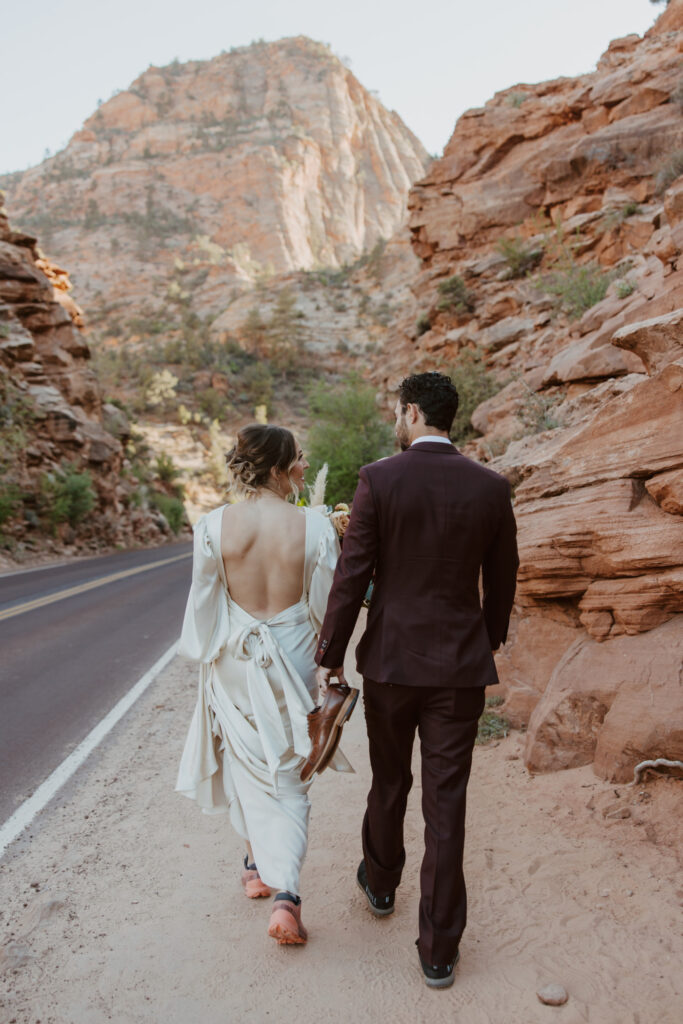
(325,726)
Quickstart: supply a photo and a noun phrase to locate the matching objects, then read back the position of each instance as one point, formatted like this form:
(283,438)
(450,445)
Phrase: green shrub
(167,471)
(10,499)
(625,288)
(212,403)
(423,324)
(455,296)
(172,509)
(258,383)
(347,433)
(520,256)
(474,384)
(515,99)
(66,496)
(579,288)
(491,726)
(16,415)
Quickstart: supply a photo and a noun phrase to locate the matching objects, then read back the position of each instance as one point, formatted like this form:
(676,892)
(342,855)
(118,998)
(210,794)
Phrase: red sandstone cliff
(551,241)
(52,420)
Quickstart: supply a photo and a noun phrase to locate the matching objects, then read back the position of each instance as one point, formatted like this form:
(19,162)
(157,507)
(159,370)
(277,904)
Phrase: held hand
(322,678)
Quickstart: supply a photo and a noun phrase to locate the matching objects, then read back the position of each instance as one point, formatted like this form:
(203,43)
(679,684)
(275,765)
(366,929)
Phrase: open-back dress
(249,734)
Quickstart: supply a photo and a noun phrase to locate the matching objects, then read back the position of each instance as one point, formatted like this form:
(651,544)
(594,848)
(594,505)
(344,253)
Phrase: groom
(426,522)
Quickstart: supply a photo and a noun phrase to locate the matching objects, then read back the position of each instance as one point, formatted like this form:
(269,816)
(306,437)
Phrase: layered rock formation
(551,241)
(206,176)
(51,414)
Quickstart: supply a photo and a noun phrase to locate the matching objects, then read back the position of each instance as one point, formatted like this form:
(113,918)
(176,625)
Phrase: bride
(261,575)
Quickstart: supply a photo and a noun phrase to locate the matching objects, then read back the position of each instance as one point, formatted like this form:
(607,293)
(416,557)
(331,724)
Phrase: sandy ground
(123,902)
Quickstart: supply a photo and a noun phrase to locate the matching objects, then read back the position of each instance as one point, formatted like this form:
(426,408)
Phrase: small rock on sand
(552,995)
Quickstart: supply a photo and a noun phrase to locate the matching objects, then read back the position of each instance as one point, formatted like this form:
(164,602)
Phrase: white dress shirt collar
(432,437)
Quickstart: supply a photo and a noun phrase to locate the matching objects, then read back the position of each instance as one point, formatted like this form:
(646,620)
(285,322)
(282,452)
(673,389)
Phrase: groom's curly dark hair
(435,395)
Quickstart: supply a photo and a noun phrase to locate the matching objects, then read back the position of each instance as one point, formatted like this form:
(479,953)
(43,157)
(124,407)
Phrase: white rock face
(268,159)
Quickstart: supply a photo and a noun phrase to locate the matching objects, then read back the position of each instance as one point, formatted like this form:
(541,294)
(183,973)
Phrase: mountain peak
(265,159)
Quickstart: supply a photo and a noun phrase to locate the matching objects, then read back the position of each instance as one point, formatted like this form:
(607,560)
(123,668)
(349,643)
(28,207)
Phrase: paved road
(66,660)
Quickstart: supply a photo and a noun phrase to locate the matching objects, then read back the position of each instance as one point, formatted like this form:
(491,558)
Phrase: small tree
(66,496)
(286,332)
(474,385)
(347,433)
(254,330)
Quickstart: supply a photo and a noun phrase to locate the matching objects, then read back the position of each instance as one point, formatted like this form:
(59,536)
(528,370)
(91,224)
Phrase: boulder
(636,434)
(505,332)
(603,531)
(605,703)
(538,638)
(667,490)
(587,360)
(632,605)
(657,341)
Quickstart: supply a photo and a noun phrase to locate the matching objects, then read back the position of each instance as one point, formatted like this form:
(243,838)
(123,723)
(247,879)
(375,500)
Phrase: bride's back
(263,545)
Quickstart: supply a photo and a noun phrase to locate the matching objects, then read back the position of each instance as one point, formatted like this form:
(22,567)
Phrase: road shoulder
(126,905)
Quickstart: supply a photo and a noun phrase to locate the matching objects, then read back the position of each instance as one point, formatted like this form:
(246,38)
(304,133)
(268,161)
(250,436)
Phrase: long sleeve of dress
(206,628)
(323,574)
(206,624)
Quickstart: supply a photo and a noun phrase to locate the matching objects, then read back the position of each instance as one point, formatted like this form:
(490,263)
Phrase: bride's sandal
(252,884)
(285,921)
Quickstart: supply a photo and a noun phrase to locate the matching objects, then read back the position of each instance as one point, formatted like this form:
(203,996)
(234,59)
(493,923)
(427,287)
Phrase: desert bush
(625,288)
(10,500)
(492,726)
(535,411)
(520,256)
(347,433)
(258,384)
(286,333)
(66,496)
(169,474)
(616,216)
(578,287)
(212,403)
(474,385)
(216,461)
(669,169)
(172,509)
(423,324)
(16,416)
(515,99)
(455,296)
(161,389)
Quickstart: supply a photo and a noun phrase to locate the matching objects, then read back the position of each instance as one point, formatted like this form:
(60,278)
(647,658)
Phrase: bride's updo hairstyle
(258,449)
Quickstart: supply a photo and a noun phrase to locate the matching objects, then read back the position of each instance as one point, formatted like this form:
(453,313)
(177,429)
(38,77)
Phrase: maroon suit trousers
(446,721)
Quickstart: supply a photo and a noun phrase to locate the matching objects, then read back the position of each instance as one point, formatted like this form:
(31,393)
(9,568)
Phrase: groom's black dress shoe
(379,905)
(438,977)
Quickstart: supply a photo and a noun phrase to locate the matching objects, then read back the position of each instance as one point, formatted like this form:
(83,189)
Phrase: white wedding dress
(249,734)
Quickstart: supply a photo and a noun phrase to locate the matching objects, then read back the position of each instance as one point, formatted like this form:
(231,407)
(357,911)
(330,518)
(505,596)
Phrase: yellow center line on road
(60,595)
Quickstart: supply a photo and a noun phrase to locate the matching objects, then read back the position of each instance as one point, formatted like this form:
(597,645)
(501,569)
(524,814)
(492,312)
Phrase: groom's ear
(414,412)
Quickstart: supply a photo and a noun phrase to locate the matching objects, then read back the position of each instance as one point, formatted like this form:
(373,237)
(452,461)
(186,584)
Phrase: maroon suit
(426,522)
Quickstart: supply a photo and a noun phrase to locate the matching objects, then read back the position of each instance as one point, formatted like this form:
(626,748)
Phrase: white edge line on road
(25,814)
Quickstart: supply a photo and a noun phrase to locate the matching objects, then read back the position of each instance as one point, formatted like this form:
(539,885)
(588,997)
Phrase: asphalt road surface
(74,638)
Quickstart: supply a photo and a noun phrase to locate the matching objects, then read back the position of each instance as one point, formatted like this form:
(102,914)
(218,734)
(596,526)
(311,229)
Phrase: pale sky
(427,59)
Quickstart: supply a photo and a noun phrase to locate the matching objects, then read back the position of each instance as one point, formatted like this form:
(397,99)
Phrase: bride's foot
(251,882)
(285,921)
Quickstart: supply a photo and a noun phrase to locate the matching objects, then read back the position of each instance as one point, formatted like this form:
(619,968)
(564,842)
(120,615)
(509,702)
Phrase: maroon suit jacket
(426,522)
